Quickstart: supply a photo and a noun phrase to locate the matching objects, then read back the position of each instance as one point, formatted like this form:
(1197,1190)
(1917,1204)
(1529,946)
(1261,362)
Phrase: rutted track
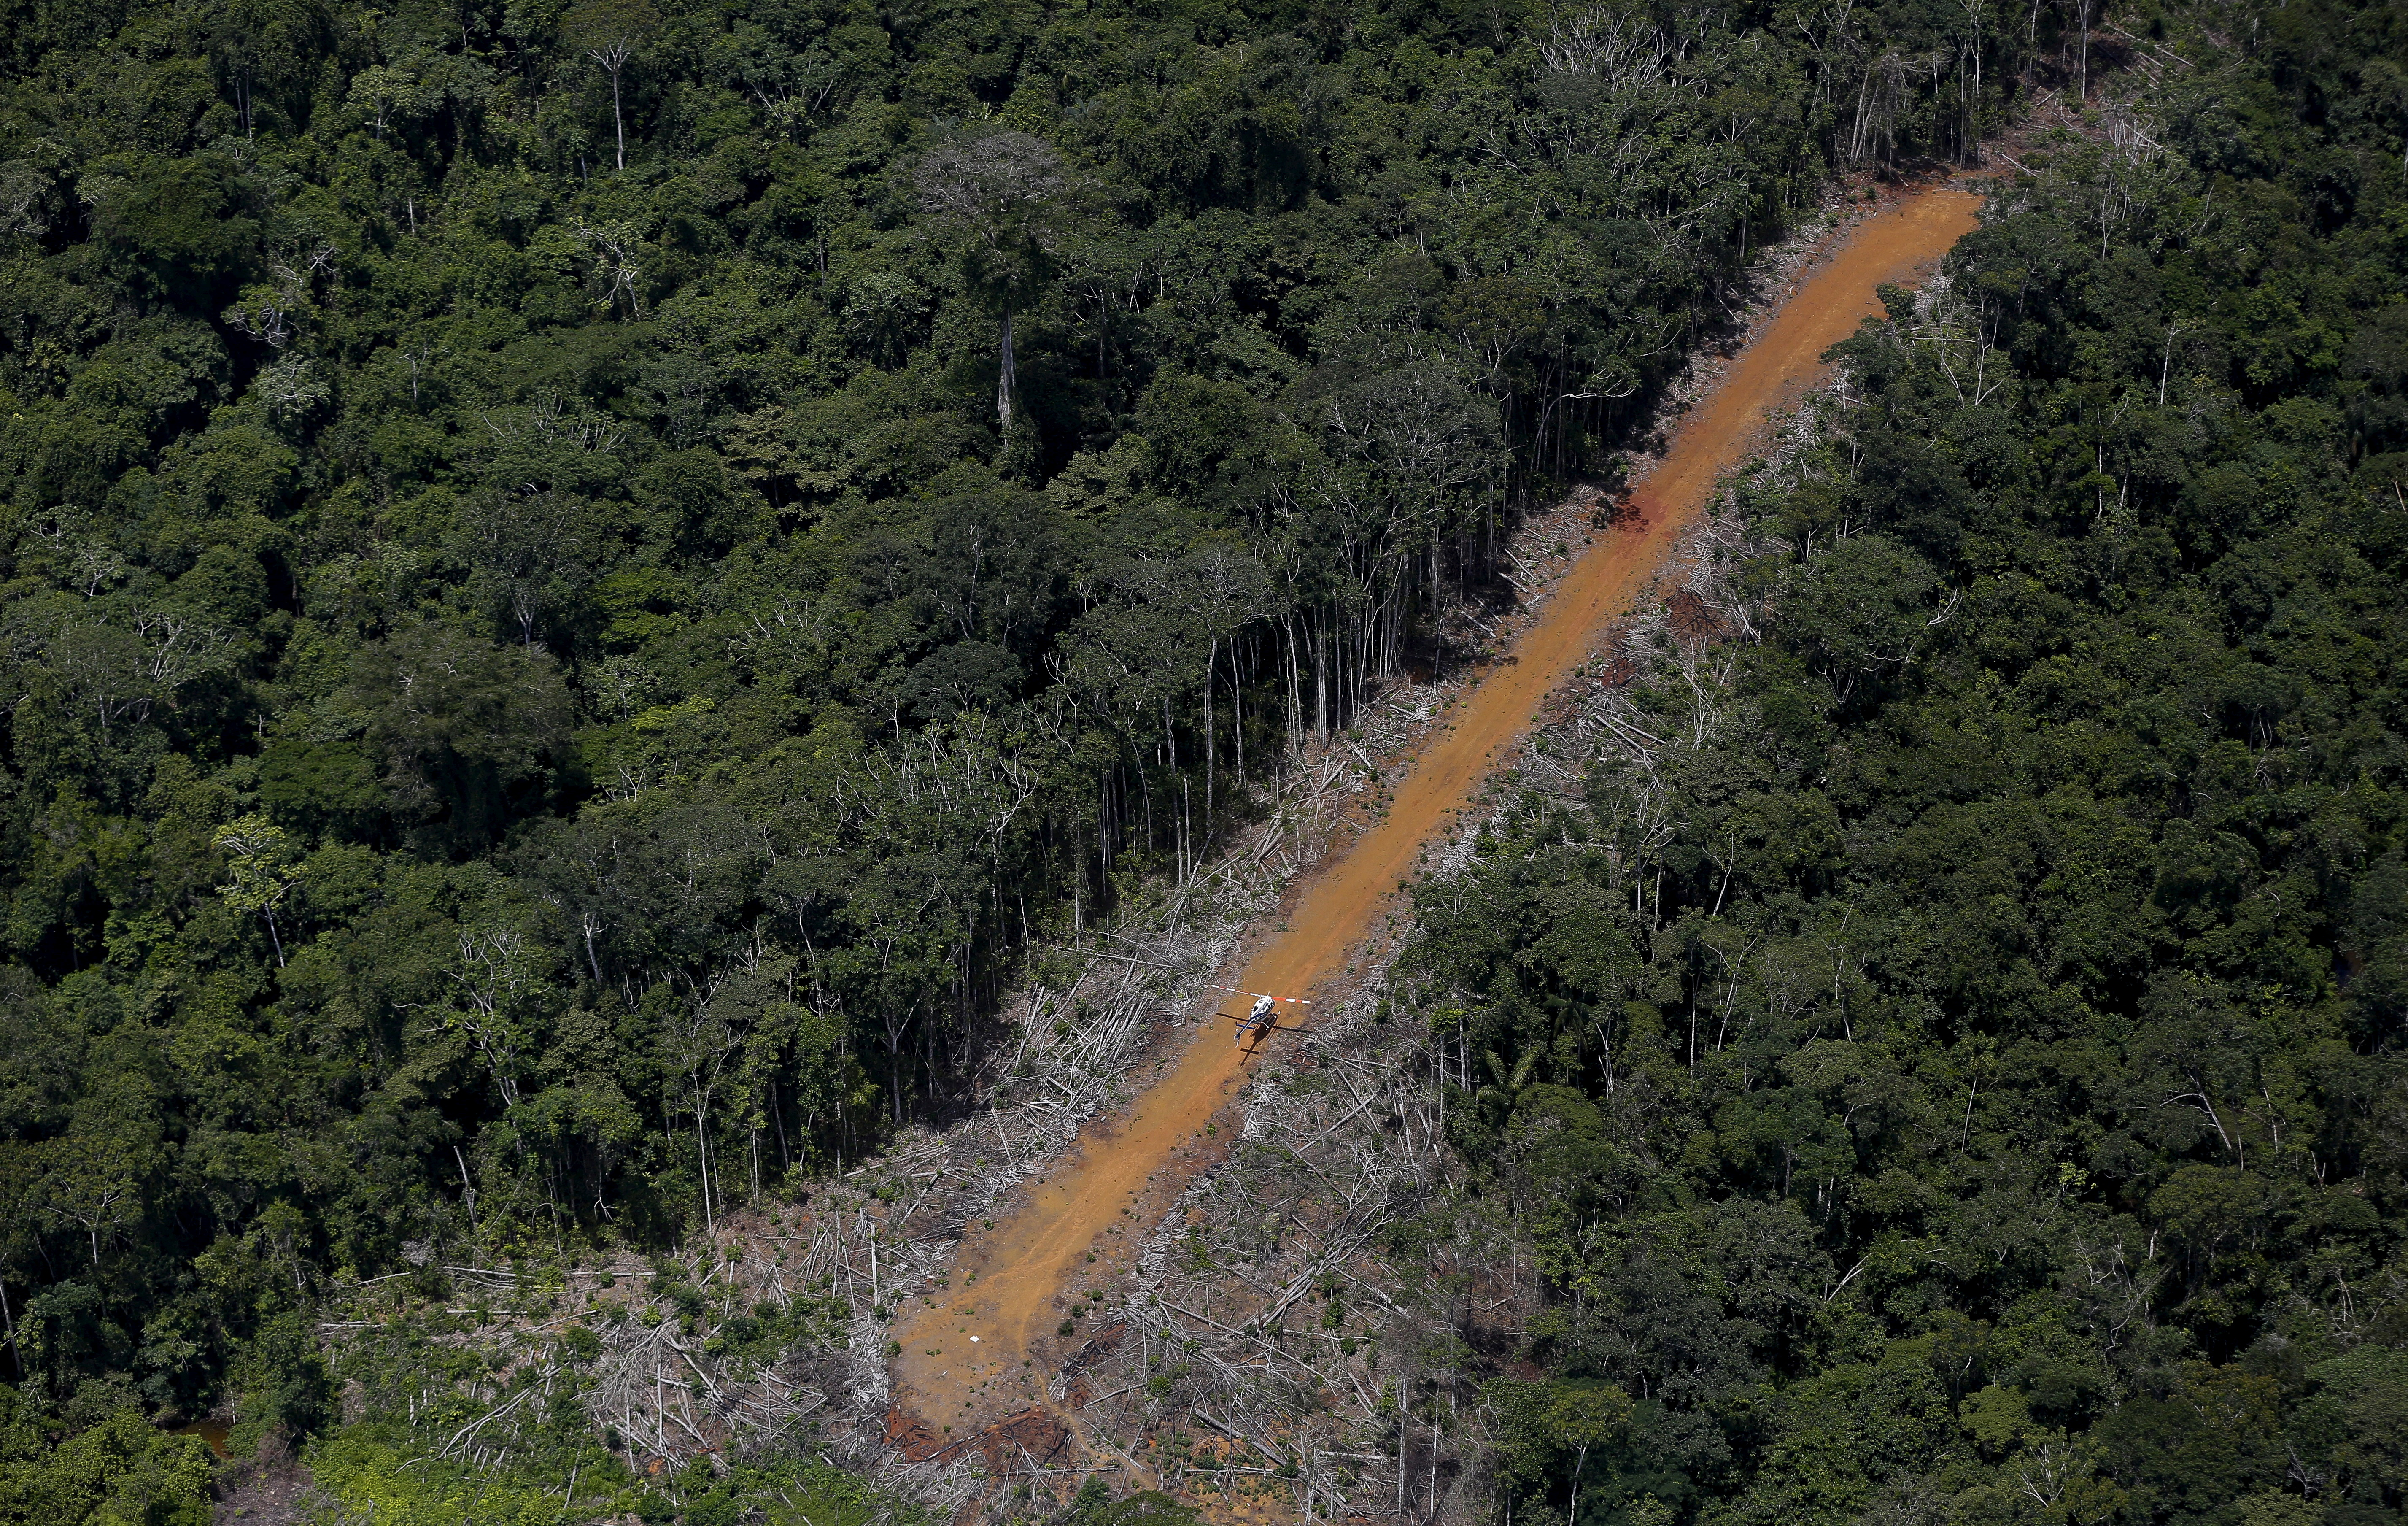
(1083,1221)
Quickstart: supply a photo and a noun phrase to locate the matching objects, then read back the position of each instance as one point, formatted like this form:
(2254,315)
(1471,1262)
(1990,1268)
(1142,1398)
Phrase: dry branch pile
(1273,1340)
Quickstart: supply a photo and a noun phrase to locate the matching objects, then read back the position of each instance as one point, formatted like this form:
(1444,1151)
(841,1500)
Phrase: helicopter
(1263,1018)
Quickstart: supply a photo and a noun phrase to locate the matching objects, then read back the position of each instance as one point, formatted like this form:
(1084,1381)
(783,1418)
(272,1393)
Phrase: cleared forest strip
(1086,1212)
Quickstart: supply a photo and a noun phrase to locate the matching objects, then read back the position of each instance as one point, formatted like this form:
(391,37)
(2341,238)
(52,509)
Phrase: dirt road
(1083,1224)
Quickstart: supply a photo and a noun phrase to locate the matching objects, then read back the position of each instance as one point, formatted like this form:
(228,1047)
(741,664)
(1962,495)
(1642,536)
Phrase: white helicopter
(1263,1018)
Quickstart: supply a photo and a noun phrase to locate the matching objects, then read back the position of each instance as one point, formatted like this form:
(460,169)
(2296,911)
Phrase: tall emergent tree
(999,191)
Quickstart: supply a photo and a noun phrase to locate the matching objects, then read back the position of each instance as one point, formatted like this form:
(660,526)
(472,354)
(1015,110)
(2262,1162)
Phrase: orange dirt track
(1081,1224)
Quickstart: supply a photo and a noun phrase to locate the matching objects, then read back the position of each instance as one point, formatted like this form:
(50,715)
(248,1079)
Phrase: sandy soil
(1083,1222)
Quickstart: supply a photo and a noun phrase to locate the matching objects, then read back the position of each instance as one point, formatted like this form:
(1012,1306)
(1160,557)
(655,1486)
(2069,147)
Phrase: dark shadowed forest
(583,585)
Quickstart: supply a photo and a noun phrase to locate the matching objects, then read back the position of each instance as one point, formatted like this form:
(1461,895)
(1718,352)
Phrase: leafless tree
(613,55)
(618,263)
(610,32)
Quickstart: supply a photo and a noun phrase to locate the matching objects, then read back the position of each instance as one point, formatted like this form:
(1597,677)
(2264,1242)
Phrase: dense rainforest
(1949,1060)
(578,581)
(582,582)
